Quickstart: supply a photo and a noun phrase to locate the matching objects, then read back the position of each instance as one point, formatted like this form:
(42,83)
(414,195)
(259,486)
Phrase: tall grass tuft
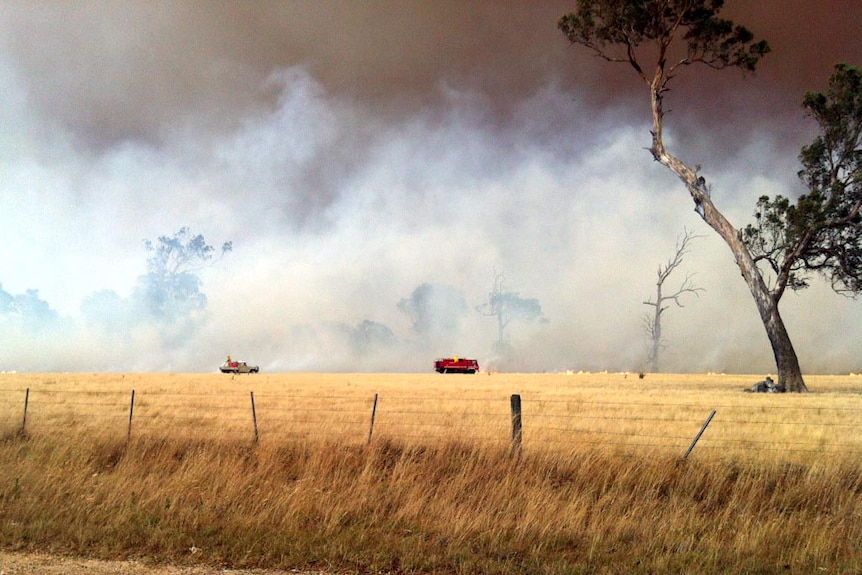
(435,507)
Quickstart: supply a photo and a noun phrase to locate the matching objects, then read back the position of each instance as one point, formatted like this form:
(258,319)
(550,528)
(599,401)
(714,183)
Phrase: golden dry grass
(775,484)
(560,412)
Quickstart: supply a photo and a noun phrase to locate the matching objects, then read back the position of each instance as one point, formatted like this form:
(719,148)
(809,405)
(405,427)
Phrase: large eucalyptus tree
(820,232)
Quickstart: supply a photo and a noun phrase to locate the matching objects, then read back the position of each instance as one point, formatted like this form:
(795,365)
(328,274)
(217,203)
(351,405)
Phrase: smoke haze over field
(355,151)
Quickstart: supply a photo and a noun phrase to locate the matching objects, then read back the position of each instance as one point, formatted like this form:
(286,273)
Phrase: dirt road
(43,564)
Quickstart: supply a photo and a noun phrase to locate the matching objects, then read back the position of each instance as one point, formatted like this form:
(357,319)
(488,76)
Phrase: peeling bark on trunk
(787,364)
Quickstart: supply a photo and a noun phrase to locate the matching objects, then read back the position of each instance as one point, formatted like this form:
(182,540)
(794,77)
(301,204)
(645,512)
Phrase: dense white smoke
(346,188)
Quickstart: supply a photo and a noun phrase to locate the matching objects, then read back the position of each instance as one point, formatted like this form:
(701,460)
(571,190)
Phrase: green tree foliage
(821,232)
(658,38)
(171,287)
(168,298)
(507,306)
(614,29)
(26,310)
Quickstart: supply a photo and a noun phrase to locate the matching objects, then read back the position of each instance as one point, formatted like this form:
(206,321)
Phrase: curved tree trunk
(787,364)
(789,372)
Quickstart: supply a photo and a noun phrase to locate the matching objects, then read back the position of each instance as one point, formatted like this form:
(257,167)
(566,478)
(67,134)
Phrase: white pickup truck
(233,366)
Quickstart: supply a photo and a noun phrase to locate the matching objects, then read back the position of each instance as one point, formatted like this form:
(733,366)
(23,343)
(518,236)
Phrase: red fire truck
(456,365)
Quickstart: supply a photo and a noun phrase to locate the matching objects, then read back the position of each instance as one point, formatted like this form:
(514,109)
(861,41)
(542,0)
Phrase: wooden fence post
(373,414)
(131,413)
(26,403)
(517,431)
(702,429)
(254,417)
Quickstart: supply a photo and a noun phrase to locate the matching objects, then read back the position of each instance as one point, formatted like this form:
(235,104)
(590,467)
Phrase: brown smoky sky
(125,70)
(356,151)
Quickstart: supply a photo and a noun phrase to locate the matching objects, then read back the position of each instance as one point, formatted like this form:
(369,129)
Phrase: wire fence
(546,423)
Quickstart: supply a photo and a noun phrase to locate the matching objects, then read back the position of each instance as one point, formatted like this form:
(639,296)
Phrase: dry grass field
(188,473)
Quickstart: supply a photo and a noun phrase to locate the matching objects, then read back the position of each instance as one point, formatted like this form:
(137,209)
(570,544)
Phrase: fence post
(131,413)
(373,413)
(254,417)
(517,430)
(699,433)
(26,403)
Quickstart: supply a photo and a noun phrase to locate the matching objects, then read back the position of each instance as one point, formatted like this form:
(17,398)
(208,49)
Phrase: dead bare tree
(652,320)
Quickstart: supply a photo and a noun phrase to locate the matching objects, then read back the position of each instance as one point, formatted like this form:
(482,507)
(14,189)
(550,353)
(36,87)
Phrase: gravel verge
(45,564)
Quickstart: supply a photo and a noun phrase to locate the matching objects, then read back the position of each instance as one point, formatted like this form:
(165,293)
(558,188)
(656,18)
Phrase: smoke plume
(356,152)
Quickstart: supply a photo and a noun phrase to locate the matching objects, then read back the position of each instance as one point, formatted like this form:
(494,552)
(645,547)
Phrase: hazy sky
(353,151)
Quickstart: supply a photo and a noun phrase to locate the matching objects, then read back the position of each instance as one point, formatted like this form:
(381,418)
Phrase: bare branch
(652,322)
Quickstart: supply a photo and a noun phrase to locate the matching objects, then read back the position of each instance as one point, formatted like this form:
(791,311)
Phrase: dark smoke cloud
(355,151)
(141,69)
